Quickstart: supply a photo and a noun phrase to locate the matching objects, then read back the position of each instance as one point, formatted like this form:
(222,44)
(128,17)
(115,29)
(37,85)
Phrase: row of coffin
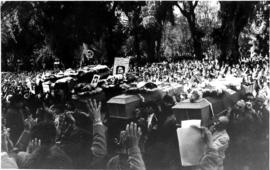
(123,106)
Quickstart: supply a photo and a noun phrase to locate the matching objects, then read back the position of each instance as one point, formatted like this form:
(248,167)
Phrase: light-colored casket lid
(186,104)
(124,99)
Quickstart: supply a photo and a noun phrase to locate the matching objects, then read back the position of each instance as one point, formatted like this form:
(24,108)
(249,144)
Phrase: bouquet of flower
(195,96)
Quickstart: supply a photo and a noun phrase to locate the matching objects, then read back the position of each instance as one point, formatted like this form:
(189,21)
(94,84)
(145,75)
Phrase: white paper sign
(191,146)
(121,65)
(188,123)
(46,88)
(95,80)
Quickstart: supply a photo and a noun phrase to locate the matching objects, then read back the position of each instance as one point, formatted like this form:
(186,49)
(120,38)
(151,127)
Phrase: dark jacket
(45,157)
(74,151)
(77,146)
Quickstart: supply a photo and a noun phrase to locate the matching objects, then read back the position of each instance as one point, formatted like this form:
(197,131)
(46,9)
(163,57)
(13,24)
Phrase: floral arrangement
(195,96)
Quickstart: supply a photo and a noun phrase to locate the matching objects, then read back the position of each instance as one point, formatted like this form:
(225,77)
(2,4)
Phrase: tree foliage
(42,31)
(62,26)
(188,10)
(234,17)
(19,29)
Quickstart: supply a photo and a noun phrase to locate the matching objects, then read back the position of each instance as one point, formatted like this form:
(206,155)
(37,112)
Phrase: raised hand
(7,143)
(33,145)
(133,134)
(94,109)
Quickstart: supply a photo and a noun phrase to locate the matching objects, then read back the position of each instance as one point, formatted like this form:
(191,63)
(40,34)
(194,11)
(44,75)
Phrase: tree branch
(184,12)
(115,3)
(194,5)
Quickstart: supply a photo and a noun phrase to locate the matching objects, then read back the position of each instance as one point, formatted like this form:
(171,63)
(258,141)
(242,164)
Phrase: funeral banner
(95,80)
(121,65)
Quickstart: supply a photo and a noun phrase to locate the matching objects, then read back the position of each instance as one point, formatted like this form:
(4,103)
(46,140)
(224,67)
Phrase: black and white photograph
(135,85)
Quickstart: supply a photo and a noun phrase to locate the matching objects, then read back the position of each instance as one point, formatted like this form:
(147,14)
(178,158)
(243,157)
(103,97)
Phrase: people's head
(167,103)
(122,142)
(222,123)
(240,106)
(137,112)
(249,97)
(44,131)
(260,101)
(249,105)
(149,108)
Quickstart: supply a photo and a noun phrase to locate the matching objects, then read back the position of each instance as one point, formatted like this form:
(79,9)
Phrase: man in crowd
(220,138)
(130,157)
(161,152)
(75,144)
(15,117)
(48,154)
(245,130)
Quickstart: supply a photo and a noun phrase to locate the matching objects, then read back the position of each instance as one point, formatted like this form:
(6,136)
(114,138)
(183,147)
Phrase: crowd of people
(42,130)
(196,74)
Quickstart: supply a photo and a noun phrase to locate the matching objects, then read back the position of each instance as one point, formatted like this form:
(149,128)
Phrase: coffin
(218,104)
(202,110)
(123,106)
(197,110)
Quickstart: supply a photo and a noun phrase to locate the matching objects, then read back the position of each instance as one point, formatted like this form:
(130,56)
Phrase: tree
(70,24)
(176,38)
(61,26)
(259,27)
(234,16)
(206,14)
(20,31)
(187,10)
(144,27)
(133,29)
(164,15)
